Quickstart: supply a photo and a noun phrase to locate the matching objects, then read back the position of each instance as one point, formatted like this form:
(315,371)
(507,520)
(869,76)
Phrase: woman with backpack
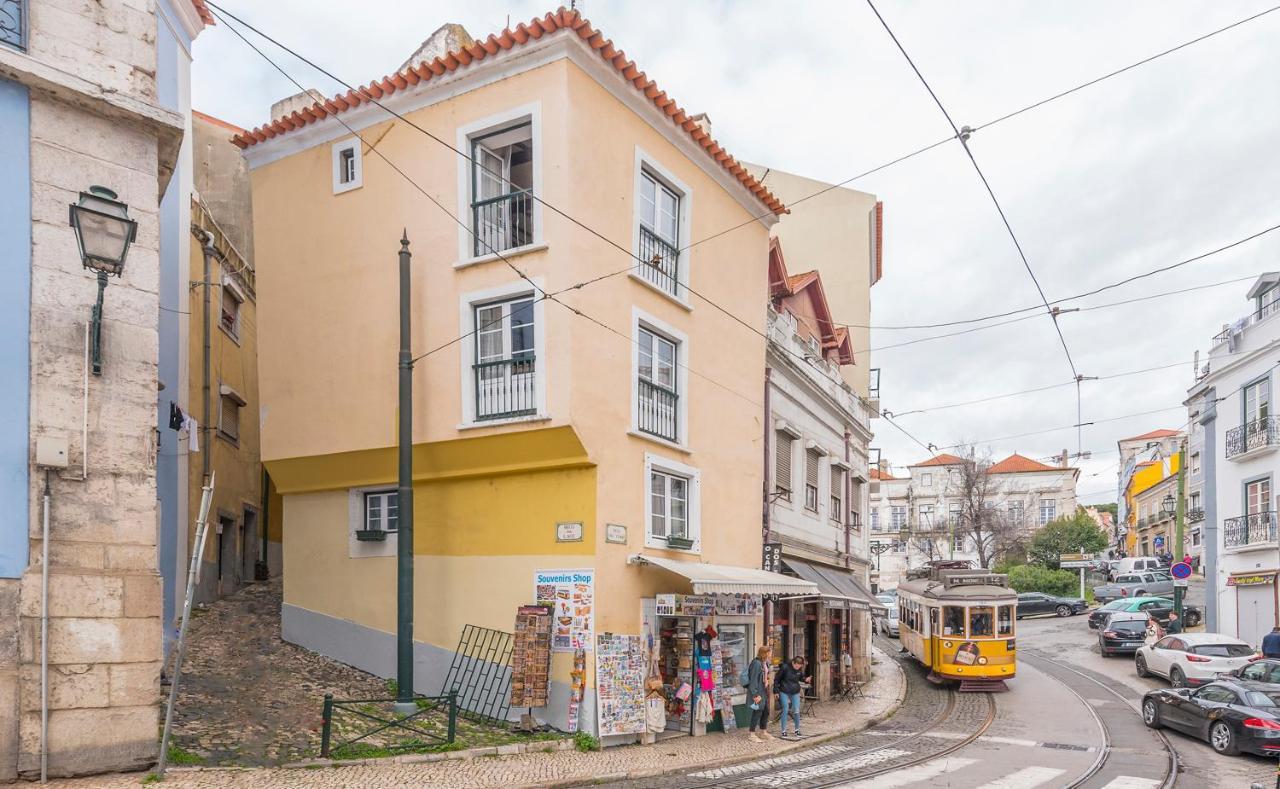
(759,682)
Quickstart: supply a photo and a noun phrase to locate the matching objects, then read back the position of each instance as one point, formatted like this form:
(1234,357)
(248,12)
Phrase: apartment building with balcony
(609,434)
(1233,400)
(921,517)
(818,429)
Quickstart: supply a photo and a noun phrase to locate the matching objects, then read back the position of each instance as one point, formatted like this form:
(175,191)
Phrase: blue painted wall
(15,324)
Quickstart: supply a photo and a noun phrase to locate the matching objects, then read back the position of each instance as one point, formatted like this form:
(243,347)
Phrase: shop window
(953,621)
(1005,623)
(735,647)
(981,621)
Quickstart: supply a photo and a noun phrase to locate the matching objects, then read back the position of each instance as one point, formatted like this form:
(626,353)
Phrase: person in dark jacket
(1271,643)
(790,680)
(759,678)
(1174,625)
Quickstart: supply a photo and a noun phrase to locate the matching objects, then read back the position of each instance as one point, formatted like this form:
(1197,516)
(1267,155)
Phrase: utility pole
(1178,531)
(404,501)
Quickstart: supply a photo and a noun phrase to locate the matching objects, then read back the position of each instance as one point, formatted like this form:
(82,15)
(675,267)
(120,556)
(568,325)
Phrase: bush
(1034,578)
(585,742)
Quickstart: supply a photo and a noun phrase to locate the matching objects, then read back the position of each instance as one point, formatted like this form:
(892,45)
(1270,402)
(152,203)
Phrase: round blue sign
(1180,570)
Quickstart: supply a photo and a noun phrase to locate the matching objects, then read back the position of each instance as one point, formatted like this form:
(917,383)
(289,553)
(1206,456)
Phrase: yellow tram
(959,622)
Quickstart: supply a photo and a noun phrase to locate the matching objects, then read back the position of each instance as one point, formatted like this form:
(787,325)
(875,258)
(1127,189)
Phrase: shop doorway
(675,666)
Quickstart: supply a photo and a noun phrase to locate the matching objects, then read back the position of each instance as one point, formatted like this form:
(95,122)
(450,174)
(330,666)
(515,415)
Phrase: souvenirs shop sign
(708,604)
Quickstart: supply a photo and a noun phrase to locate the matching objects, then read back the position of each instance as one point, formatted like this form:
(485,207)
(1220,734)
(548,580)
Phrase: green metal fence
(414,725)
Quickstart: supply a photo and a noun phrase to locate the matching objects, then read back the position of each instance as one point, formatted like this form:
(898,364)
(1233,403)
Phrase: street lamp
(104,232)
(1169,505)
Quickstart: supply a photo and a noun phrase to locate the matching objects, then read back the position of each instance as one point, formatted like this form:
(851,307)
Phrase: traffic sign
(1180,570)
(1180,582)
(1072,565)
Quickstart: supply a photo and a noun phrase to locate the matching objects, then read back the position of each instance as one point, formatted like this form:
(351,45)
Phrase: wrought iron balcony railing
(506,388)
(1258,434)
(503,222)
(13,23)
(661,266)
(658,414)
(1256,529)
(1195,515)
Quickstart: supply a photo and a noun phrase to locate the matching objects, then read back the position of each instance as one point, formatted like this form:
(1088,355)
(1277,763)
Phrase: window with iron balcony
(502,202)
(659,232)
(658,396)
(13,23)
(505,369)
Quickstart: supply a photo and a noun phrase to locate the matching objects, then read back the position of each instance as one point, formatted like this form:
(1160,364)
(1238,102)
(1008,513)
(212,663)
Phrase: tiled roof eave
(561,20)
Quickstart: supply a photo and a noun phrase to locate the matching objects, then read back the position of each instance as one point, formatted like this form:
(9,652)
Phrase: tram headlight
(982,661)
(946,644)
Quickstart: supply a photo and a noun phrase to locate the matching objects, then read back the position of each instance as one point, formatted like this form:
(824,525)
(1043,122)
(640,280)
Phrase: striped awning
(720,578)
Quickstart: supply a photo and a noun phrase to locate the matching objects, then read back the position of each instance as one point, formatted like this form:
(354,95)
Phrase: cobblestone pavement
(883,694)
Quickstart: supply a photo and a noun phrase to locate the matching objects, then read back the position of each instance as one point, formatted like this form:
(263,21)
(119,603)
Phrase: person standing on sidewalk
(759,683)
(790,678)
(1271,643)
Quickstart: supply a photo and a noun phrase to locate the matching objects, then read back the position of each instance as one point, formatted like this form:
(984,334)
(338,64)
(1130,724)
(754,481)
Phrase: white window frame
(467,304)
(384,494)
(532,113)
(665,465)
(227,393)
(838,493)
(1053,511)
(646,163)
(643,320)
(230,288)
(926,480)
(926,511)
(358,549)
(894,523)
(354,145)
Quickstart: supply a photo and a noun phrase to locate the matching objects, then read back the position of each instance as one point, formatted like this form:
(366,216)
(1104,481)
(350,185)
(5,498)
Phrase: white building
(917,518)
(1232,401)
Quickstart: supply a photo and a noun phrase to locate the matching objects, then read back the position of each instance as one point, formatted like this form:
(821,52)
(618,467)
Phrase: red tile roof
(1162,433)
(797,281)
(206,15)
(941,460)
(509,38)
(231,127)
(878,474)
(1016,463)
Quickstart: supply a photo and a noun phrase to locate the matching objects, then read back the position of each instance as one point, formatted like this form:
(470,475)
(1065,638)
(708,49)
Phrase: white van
(1135,564)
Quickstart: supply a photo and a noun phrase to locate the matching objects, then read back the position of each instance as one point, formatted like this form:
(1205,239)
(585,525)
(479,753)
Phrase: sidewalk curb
(809,742)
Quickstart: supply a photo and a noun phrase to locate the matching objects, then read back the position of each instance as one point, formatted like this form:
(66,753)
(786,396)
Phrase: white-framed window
(898,517)
(1195,501)
(926,480)
(899,546)
(836,511)
(348,165)
(658,384)
(957,543)
(811,460)
(954,509)
(504,363)
(1195,462)
(498,181)
(1257,401)
(382,510)
(1268,302)
(784,447)
(662,217)
(926,516)
(229,404)
(232,298)
(1257,496)
(1048,510)
(875,519)
(1015,511)
(672,504)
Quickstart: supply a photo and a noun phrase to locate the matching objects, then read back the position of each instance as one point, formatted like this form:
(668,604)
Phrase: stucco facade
(71,121)
(563,477)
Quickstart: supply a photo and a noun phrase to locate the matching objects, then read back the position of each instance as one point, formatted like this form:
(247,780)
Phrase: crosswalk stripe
(1025,778)
(807,755)
(921,772)
(787,777)
(1132,782)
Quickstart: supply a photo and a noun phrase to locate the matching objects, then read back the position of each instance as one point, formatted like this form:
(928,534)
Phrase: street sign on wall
(771,558)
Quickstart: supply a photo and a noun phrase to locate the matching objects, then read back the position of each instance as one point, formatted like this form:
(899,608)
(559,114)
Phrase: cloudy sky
(1169,160)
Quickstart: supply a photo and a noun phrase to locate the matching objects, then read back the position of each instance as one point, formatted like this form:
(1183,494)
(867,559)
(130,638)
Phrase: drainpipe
(44,634)
(848,498)
(1208,420)
(764,501)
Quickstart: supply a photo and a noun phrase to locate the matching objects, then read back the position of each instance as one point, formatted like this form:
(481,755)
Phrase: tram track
(1105,752)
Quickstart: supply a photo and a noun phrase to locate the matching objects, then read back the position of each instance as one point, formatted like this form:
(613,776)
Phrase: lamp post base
(405,707)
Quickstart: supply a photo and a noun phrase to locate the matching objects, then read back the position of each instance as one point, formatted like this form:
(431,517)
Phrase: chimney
(704,122)
(291,104)
(1064,458)
(448,38)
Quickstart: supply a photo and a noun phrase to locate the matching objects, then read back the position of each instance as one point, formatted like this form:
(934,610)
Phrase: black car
(1158,607)
(1232,715)
(1035,603)
(1265,670)
(1123,634)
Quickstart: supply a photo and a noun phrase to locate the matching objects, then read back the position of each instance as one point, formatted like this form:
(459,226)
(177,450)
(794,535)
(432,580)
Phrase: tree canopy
(1072,534)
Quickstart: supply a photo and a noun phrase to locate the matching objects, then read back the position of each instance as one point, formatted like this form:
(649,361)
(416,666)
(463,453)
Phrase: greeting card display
(531,657)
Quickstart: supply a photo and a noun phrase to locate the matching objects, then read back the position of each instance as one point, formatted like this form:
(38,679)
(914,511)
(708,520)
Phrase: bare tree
(990,528)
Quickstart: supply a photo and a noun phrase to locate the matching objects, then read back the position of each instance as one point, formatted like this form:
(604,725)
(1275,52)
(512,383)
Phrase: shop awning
(837,584)
(716,578)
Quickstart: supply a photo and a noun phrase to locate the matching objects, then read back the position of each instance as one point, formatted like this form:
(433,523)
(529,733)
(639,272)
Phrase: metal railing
(1253,435)
(1195,515)
(480,674)
(661,266)
(658,412)
(506,388)
(1256,529)
(13,23)
(422,726)
(502,223)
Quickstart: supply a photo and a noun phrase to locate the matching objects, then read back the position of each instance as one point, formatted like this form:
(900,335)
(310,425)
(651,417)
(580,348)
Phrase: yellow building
(621,445)
(1150,529)
(227,441)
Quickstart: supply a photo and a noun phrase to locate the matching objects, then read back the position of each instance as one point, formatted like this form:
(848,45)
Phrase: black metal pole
(97,324)
(404,547)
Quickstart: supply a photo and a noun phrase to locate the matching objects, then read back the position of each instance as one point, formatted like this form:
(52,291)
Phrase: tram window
(952,621)
(1006,620)
(981,620)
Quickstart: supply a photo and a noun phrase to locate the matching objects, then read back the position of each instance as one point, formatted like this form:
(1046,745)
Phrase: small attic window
(348,166)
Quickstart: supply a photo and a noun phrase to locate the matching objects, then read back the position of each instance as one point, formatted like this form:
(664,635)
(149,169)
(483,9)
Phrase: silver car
(1144,584)
(888,624)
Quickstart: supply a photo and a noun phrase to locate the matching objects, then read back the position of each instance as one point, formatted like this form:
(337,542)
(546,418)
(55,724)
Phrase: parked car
(1262,670)
(1135,564)
(1188,659)
(888,624)
(1035,603)
(1232,716)
(1135,585)
(1158,607)
(1124,633)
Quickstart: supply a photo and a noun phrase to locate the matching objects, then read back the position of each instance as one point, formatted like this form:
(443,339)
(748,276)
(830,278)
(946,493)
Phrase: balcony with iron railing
(1264,313)
(1195,515)
(502,223)
(1250,531)
(1253,438)
(661,262)
(13,23)
(506,388)
(659,412)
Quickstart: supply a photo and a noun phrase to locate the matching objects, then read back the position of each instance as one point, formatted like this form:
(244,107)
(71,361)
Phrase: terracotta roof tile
(206,15)
(1016,463)
(941,460)
(1162,433)
(562,19)
(878,474)
(231,127)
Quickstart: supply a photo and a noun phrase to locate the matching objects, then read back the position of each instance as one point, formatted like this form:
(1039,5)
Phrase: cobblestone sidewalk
(883,695)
